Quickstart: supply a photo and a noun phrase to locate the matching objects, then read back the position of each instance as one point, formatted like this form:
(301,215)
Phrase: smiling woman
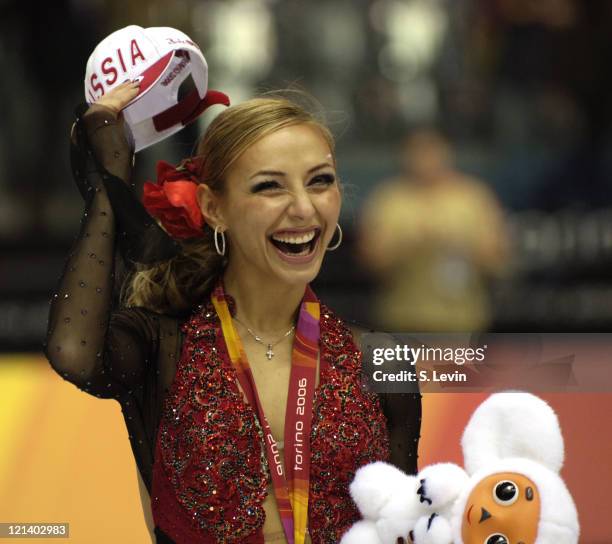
(280,206)
(241,391)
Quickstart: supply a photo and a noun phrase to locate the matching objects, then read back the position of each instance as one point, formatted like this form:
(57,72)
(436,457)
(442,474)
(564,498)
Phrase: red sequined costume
(210,474)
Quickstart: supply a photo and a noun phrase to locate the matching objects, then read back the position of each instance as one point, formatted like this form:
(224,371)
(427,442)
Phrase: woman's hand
(112,102)
(119,97)
(106,132)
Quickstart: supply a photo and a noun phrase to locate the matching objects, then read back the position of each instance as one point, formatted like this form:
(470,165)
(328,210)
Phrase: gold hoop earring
(219,247)
(337,244)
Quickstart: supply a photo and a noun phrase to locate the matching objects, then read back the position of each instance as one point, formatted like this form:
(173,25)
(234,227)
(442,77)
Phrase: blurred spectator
(432,236)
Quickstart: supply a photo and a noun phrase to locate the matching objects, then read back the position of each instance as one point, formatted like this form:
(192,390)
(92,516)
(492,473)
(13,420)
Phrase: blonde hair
(177,285)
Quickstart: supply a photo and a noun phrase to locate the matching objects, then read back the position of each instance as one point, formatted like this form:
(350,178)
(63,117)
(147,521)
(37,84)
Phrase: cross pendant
(269,353)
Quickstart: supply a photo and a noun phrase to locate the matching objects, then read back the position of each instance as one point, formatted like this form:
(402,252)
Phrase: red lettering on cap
(121,60)
(136,52)
(95,84)
(106,71)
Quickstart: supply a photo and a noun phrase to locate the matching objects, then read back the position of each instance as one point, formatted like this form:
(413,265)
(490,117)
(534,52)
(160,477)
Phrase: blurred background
(474,144)
(518,90)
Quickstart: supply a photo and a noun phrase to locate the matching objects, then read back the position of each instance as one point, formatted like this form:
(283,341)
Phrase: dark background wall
(521,88)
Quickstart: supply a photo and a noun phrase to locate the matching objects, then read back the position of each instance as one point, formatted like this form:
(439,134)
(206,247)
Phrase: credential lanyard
(291,491)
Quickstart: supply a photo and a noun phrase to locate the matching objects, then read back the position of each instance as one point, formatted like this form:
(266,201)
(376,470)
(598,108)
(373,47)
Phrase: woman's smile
(296,246)
(281,206)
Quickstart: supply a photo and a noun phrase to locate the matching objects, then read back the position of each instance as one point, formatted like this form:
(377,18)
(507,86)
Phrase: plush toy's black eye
(505,493)
(497,538)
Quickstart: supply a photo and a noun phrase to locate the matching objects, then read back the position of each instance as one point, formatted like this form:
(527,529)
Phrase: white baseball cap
(173,78)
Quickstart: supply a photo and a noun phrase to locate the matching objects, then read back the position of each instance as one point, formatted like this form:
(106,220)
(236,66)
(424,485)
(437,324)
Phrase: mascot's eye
(506,493)
(497,538)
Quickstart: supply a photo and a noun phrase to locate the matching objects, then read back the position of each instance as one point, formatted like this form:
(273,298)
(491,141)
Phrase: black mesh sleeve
(403,414)
(80,345)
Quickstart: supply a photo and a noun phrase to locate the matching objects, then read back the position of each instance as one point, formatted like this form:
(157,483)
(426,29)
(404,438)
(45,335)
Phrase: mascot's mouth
(484,515)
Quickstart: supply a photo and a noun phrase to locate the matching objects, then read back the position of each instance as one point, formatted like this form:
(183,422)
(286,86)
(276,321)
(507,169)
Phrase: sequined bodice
(210,474)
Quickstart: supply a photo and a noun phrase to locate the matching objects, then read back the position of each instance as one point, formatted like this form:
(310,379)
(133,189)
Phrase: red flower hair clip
(173,201)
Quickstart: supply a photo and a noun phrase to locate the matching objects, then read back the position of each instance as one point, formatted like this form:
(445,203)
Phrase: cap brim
(188,109)
(210,99)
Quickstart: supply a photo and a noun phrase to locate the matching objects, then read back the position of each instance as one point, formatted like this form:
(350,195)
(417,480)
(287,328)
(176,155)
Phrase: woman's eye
(323,179)
(265,185)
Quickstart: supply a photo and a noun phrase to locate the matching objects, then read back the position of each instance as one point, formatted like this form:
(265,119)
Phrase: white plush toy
(509,493)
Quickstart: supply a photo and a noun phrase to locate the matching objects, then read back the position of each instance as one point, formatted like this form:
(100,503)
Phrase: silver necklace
(260,340)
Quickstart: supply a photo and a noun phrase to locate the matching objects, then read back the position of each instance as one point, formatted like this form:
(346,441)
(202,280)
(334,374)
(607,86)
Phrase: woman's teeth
(296,245)
(292,239)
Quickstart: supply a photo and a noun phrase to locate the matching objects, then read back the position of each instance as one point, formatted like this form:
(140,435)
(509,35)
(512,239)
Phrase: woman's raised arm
(78,344)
